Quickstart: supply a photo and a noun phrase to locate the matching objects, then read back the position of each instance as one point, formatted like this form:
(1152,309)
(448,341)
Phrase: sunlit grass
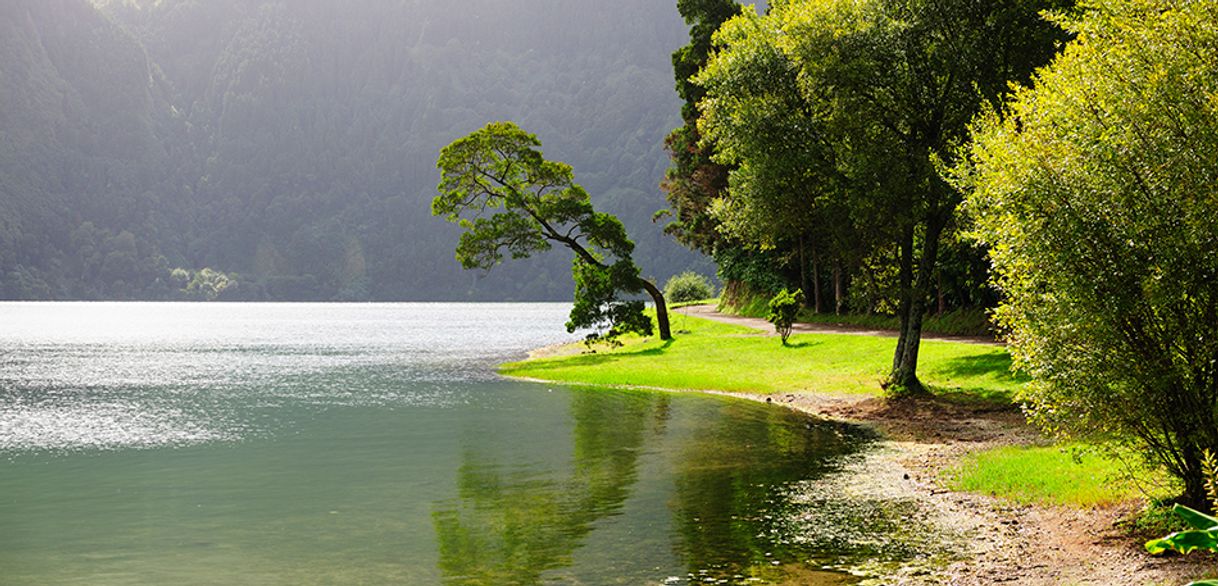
(1059,475)
(709,355)
(680,304)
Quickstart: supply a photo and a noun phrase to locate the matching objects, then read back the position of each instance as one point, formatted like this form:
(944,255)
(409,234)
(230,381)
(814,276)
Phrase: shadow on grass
(802,344)
(994,363)
(975,396)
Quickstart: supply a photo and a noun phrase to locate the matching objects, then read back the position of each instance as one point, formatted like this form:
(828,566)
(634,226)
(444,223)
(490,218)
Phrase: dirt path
(999,542)
(711,313)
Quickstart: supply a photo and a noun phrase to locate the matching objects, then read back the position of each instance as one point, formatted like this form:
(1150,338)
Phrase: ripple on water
(99,426)
(106,376)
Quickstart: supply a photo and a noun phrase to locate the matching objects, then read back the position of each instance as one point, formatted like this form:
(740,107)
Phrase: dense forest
(285,150)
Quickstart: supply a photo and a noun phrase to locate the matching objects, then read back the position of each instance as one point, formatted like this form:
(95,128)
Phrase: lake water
(149,443)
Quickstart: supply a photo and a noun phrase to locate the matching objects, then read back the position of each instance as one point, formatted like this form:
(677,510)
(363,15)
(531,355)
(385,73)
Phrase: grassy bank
(1073,475)
(709,355)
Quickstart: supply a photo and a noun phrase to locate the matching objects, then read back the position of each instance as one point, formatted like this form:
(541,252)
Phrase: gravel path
(711,313)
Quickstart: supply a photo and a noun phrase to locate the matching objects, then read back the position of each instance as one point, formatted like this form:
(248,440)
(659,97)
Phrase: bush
(1095,195)
(783,309)
(688,286)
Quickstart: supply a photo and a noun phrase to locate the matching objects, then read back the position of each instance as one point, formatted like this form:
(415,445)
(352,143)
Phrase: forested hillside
(291,145)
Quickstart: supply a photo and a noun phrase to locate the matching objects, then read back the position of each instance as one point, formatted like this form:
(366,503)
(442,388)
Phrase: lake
(155,443)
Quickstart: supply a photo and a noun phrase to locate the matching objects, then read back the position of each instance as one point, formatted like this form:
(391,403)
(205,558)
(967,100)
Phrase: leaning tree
(511,201)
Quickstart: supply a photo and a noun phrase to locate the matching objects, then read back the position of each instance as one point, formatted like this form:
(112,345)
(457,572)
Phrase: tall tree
(1095,192)
(783,184)
(511,201)
(891,86)
(694,180)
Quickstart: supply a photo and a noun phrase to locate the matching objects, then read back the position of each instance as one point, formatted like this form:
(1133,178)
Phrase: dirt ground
(1004,543)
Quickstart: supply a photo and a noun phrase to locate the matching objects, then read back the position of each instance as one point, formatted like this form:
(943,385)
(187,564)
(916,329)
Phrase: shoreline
(998,541)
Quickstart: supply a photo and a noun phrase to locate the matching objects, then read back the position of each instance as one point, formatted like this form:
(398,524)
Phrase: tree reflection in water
(729,479)
(724,463)
(511,526)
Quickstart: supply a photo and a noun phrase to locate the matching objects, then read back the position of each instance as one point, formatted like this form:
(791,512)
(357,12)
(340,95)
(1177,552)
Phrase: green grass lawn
(708,355)
(1060,475)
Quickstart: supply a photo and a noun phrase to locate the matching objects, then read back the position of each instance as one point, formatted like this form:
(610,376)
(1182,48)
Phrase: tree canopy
(511,201)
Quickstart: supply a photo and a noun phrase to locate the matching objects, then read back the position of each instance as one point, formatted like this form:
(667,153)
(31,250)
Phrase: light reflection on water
(321,444)
(115,375)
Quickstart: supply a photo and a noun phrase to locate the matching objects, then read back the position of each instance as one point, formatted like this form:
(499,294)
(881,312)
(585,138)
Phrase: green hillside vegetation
(291,145)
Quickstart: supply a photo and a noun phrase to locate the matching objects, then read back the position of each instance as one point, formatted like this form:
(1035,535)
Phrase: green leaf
(1184,542)
(1195,518)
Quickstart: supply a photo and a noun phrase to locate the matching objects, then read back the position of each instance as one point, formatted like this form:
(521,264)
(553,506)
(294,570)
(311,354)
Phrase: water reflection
(512,524)
(356,444)
(518,521)
(730,479)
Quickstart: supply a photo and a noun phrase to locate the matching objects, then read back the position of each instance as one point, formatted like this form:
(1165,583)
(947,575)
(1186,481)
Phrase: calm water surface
(348,444)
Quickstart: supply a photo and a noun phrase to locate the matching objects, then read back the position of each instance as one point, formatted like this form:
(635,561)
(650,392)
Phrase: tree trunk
(905,284)
(1195,495)
(803,274)
(904,377)
(816,279)
(939,287)
(661,308)
(838,293)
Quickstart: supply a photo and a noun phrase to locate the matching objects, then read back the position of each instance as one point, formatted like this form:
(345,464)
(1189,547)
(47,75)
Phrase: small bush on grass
(783,309)
(688,286)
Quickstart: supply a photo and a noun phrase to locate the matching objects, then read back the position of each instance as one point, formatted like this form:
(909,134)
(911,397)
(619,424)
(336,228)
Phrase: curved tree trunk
(661,308)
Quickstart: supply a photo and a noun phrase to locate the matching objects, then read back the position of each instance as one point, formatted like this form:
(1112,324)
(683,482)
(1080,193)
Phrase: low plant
(784,307)
(688,286)
(1204,533)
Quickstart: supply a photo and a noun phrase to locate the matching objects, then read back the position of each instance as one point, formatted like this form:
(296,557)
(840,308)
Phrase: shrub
(783,309)
(688,286)
(1095,194)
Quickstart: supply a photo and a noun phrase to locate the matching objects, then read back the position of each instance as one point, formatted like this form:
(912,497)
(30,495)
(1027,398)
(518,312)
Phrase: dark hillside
(293,143)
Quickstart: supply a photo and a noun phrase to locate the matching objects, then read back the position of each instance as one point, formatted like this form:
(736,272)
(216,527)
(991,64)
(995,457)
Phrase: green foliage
(693,180)
(597,306)
(510,201)
(206,284)
(837,115)
(783,308)
(756,270)
(1094,191)
(1203,535)
(688,286)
